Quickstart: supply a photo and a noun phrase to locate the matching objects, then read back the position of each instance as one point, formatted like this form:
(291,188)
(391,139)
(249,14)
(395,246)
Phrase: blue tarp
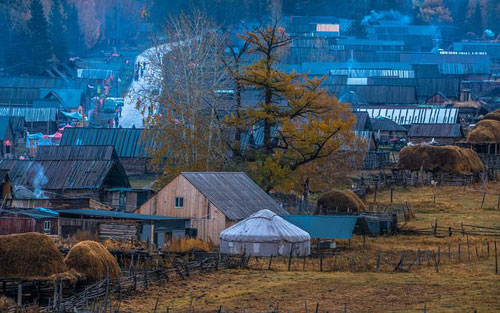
(325,226)
(74,115)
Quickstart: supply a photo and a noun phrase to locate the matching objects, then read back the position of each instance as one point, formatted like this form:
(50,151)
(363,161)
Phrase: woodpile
(450,159)
(337,201)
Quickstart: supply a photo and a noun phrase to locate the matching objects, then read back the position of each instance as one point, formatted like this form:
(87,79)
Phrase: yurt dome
(264,234)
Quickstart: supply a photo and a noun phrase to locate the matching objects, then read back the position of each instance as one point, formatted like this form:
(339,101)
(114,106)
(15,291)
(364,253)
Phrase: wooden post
(20,294)
(477,252)
(290,258)
(392,192)
(496,258)
(449,251)
(468,248)
(375,194)
(377,265)
(487,249)
(459,252)
(321,261)
(270,262)
(317,307)
(482,201)
(435,226)
(463,230)
(438,259)
(419,261)
(304,263)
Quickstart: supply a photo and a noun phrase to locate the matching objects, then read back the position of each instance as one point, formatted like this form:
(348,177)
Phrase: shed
(17,221)
(325,226)
(264,233)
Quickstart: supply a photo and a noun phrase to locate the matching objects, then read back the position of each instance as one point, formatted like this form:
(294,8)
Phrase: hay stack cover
(337,201)
(93,260)
(487,130)
(447,158)
(29,256)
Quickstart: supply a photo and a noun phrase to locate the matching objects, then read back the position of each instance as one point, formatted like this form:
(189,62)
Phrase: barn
(213,201)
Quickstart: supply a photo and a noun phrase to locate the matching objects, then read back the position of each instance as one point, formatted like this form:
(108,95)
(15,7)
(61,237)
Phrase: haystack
(495,116)
(450,159)
(29,256)
(337,201)
(93,260)
(487,130)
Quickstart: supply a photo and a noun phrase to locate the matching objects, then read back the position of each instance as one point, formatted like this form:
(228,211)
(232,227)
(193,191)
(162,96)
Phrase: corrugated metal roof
(42,82)
(386,124)
(12,94)
(118,215)
(69,98)
(408,116)
(30,114)
(67,174)
(369,42)
(426,87)
(436,58)
(75,153)
(378,94)
(94,73)
(436,130)
(325,226)
(264,226)
(233,193)
(128,142)
(362,121)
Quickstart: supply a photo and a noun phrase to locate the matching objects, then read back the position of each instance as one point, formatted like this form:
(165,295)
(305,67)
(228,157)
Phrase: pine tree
(40,46)
(476,20)
(74,37)
(492,16)
(57,31)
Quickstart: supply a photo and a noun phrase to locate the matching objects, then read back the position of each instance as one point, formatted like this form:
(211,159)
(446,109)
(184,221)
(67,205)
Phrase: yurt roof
(264,226)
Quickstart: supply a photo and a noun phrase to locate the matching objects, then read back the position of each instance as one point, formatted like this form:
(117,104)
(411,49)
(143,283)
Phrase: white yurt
(264,234)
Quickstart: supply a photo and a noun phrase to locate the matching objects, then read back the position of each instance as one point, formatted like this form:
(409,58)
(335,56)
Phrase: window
(46,227)
(179,202)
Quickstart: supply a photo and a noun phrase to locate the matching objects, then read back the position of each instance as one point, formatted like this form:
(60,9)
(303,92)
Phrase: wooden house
(386,129)
(444,134)
(212,200)
(130,146)
(28,220)
(75,172)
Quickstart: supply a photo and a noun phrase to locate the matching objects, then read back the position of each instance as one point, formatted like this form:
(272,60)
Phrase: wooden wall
(19,225)
(204,216)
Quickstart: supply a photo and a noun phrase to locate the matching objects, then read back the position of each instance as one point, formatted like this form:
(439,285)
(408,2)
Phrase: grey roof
(30,114)
(75,153)
(233,193)
(436,130)
(412,115)
(385,124)
(118,215)
(362,121)
(42,82)
(94,73)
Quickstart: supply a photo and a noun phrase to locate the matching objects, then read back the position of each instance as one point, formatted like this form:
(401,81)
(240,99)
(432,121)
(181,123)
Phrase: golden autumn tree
(432,11)
(296,125)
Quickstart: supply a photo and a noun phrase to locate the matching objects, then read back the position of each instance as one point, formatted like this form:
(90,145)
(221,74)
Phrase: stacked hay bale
(93,260)
(29,256)
(487,130)
(337,201)
(450,159)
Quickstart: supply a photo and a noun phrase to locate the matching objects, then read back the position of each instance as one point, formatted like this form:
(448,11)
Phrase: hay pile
(29,256)
(189,244)
(487,130)
(6,304)
(92,260)
(337,201)
(495,116)
(447,158)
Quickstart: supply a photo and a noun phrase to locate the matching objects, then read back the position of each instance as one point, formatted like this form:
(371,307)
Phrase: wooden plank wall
(204,216)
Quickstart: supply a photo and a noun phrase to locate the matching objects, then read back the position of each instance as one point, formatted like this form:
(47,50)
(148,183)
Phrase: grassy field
(461,285)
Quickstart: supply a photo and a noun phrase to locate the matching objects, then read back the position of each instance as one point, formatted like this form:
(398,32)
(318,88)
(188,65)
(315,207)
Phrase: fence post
(468,248)
(459,252)
(482,201)
(20,294)
(449,251)
(321,261)
(438,259)
(375,194)
(377,265)
(419,262)
(304,263)
(496,258)
(392,191)
(290,258)
(487,249)
(270,262)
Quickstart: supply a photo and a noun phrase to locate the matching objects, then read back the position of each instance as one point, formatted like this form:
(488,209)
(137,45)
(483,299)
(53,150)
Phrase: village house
(75,172)
(386,129)
(129,143)
(212,200)
(440,133)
